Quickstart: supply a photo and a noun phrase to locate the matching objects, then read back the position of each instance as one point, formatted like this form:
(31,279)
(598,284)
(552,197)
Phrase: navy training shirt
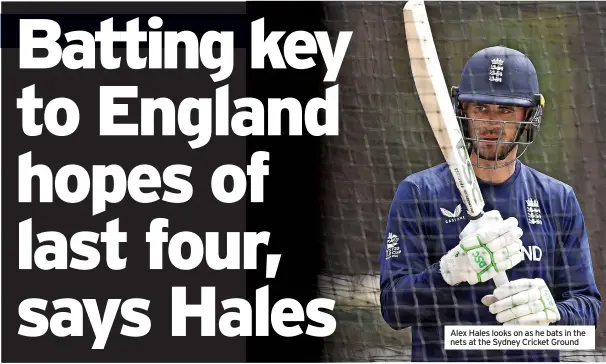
(425,219)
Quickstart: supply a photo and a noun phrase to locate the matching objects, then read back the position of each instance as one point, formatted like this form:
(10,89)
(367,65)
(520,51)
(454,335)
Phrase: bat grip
(500,279)
(477,217)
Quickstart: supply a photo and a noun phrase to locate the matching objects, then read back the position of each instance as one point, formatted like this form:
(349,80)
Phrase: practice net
(384,137)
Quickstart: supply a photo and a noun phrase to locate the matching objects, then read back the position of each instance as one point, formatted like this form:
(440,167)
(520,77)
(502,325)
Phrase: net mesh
(384,137)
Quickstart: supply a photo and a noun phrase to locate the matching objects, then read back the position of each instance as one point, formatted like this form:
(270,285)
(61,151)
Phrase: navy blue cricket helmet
(501,76)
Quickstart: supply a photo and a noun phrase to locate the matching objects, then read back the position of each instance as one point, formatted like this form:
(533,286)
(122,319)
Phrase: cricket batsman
(437,265)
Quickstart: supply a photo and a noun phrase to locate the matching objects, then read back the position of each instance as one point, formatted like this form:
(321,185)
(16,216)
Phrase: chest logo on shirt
(452,216)
(533,212)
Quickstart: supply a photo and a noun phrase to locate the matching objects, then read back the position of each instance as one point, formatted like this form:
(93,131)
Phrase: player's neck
(487,171)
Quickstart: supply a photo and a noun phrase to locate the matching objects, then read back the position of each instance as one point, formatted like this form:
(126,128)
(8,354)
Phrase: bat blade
(435,99)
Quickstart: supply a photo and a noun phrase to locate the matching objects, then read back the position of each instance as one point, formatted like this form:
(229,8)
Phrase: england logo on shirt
(533,212)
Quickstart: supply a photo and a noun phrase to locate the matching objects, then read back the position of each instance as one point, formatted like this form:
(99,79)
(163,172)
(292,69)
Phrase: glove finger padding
(509,237)
(520,311)
(488,219)
(523,302)
(517,286)
(510,262)
(542,318)
(515,300)
(510,250)
(489,233)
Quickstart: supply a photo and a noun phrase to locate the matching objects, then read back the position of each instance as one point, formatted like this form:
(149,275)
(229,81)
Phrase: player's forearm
(576,292)
(409,299)
(579,310)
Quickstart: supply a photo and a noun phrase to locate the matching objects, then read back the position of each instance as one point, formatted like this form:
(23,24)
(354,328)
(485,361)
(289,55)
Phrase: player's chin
(487,151)
(490,156)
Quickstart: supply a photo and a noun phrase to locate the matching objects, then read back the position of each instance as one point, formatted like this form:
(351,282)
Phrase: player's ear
(454,96)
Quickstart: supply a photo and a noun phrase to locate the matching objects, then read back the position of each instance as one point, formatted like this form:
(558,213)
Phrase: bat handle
(501,278)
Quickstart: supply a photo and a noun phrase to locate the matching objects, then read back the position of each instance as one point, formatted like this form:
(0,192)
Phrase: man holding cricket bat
(437,266)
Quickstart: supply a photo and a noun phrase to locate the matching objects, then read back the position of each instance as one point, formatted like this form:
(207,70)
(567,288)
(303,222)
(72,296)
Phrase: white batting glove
(523,302)
(482,254)
(488,219)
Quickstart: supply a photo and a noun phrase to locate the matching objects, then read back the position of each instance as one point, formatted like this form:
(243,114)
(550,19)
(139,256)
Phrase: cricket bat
(437,104)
